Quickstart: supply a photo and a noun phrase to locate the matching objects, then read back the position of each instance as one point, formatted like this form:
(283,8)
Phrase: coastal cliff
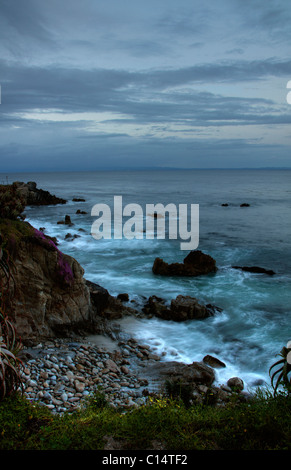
(44,291)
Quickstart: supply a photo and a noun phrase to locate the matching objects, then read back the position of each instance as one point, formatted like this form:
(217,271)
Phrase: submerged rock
(80,212)
(255,269)
(196,263)
(71,237)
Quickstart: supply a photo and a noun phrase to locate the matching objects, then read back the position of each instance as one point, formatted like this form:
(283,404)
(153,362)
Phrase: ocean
(254,323)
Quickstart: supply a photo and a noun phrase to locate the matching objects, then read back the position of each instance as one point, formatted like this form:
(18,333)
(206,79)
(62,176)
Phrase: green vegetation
(12,232)
(12,204)
(262,424)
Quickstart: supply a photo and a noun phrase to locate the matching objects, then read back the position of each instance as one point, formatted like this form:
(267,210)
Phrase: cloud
(127,83)
(24,19)
(23,30)
(148,96)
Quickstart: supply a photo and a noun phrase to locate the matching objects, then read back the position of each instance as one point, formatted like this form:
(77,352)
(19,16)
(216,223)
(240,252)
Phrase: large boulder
(186,374)
(196,263)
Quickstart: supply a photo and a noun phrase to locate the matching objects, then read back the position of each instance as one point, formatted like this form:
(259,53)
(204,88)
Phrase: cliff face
(47,294)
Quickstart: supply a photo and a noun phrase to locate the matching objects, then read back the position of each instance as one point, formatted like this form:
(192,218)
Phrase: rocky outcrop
(36,197)
(255,269)
(106,305)
(180,309)
(47,295)
(196,263)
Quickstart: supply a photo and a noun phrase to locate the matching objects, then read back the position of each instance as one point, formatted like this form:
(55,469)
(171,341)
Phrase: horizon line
(144,169)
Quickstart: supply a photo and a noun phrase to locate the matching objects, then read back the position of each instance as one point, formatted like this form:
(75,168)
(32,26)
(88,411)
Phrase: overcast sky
(97,84)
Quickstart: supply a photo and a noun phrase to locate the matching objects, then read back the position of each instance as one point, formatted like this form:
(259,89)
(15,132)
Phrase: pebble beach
(61,374)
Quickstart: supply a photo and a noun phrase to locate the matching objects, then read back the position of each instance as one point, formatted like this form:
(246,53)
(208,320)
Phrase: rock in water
(186,307)
(181,309)
(213,362)
(255,269)
(196,263)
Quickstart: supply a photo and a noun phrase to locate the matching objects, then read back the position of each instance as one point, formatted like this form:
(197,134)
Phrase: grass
(262,424)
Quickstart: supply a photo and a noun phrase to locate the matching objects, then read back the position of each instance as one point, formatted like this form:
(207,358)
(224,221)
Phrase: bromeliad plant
(283,371)
(10,363)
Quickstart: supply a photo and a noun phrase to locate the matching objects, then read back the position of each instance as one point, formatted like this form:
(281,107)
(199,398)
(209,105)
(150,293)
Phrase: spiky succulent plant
(10,346)
(281,375)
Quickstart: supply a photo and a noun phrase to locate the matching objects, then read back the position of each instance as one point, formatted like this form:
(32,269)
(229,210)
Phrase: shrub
(176,389)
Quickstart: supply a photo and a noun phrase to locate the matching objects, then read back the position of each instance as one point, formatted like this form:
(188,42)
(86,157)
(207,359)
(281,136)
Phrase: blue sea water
(255,321)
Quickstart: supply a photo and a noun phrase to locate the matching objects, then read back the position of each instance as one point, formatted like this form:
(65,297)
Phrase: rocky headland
(60,317)
(34,196)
